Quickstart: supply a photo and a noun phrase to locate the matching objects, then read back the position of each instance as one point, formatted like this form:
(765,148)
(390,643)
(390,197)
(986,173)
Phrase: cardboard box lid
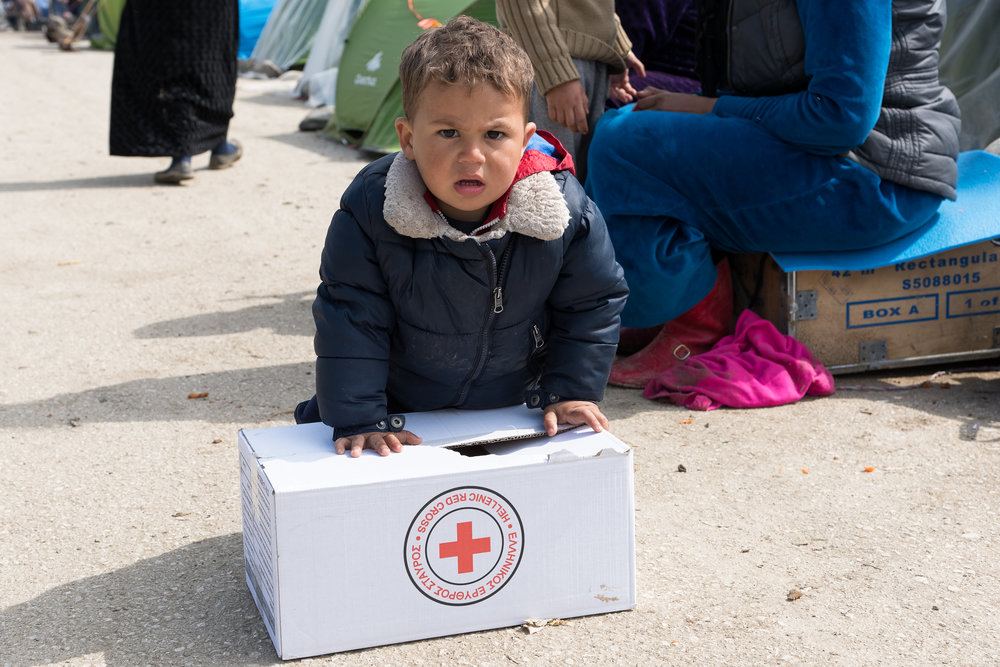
(301,457)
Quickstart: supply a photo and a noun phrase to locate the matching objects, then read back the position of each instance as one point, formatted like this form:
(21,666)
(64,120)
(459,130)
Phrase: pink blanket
(755,367)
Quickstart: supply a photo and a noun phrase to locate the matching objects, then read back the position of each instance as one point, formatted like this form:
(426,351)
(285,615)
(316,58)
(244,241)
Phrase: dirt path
(120,536)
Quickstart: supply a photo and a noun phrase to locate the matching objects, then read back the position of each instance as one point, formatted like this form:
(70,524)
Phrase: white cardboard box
(346,553)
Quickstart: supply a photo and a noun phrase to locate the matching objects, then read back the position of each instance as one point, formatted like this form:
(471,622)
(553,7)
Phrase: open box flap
(301,457)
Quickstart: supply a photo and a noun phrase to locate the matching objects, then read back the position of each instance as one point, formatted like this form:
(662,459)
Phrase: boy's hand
(621,88)
(568,106)
(382,442)
(574,412)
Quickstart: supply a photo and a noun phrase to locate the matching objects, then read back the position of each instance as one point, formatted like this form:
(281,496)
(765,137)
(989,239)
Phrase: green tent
(109,14)
(368,94)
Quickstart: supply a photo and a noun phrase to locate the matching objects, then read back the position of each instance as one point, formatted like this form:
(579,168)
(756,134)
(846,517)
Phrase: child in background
(469,270)
(574,45)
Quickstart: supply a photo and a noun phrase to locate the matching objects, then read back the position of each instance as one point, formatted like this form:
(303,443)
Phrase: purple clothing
(663,34)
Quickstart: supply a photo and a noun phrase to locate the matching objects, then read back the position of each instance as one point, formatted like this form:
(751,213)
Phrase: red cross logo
(464,547)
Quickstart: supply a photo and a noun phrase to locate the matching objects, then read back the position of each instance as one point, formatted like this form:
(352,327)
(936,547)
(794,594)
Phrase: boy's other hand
(382,442)
(621,88)
(575,413)
(568,105)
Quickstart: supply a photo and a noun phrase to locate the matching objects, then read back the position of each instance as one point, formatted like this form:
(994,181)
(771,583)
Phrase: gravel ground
(120,533)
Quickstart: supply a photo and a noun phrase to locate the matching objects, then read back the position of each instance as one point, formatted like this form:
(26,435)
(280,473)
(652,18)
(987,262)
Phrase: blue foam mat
(974,216)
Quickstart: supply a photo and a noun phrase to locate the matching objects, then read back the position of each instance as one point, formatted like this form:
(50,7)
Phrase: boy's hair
(465,51)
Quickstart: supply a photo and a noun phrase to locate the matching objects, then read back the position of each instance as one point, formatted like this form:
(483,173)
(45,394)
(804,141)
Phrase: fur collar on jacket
(535,207)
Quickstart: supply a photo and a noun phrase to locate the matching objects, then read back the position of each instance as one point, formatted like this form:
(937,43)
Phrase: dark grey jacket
(414,315)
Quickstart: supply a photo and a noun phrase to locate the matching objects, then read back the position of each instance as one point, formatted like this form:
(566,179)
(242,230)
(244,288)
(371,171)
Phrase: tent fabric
(288,35)
(970,67)
(253,18)
(109,15)
(368,95)
(319,76)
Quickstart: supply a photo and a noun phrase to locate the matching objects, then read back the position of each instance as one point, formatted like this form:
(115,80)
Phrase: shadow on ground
(289,316)
(249,395)
(280,97)
(91,182)
(968,394)
(326,146)
(187,606)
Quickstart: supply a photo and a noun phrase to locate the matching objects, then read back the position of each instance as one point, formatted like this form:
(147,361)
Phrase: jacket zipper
(498,274)
(536,333)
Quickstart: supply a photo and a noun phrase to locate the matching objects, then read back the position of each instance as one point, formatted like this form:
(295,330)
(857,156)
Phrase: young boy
(469,270)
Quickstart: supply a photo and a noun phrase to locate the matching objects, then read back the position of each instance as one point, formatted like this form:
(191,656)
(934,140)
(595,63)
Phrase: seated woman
(829,131)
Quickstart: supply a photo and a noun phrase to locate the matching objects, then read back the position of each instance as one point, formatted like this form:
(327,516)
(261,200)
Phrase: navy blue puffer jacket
(414,315)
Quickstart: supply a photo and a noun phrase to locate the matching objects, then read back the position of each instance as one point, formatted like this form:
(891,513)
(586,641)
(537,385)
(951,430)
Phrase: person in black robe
(174,82)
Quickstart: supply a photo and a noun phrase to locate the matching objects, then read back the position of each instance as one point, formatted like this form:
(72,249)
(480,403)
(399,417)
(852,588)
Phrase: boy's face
(467,144)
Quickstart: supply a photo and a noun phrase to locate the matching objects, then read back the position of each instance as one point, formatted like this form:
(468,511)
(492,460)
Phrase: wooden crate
(935,309)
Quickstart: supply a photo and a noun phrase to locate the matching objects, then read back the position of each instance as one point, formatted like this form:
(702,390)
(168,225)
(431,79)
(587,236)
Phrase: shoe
(694,332)
(317,119)
(179,170)
(220,160)
(268,69)
(56,29)
(633,339)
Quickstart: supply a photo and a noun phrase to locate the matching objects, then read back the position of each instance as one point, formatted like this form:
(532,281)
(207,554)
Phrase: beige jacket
(553,32)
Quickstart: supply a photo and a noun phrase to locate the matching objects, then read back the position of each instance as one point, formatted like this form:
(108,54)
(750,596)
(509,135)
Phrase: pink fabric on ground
(755,367)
